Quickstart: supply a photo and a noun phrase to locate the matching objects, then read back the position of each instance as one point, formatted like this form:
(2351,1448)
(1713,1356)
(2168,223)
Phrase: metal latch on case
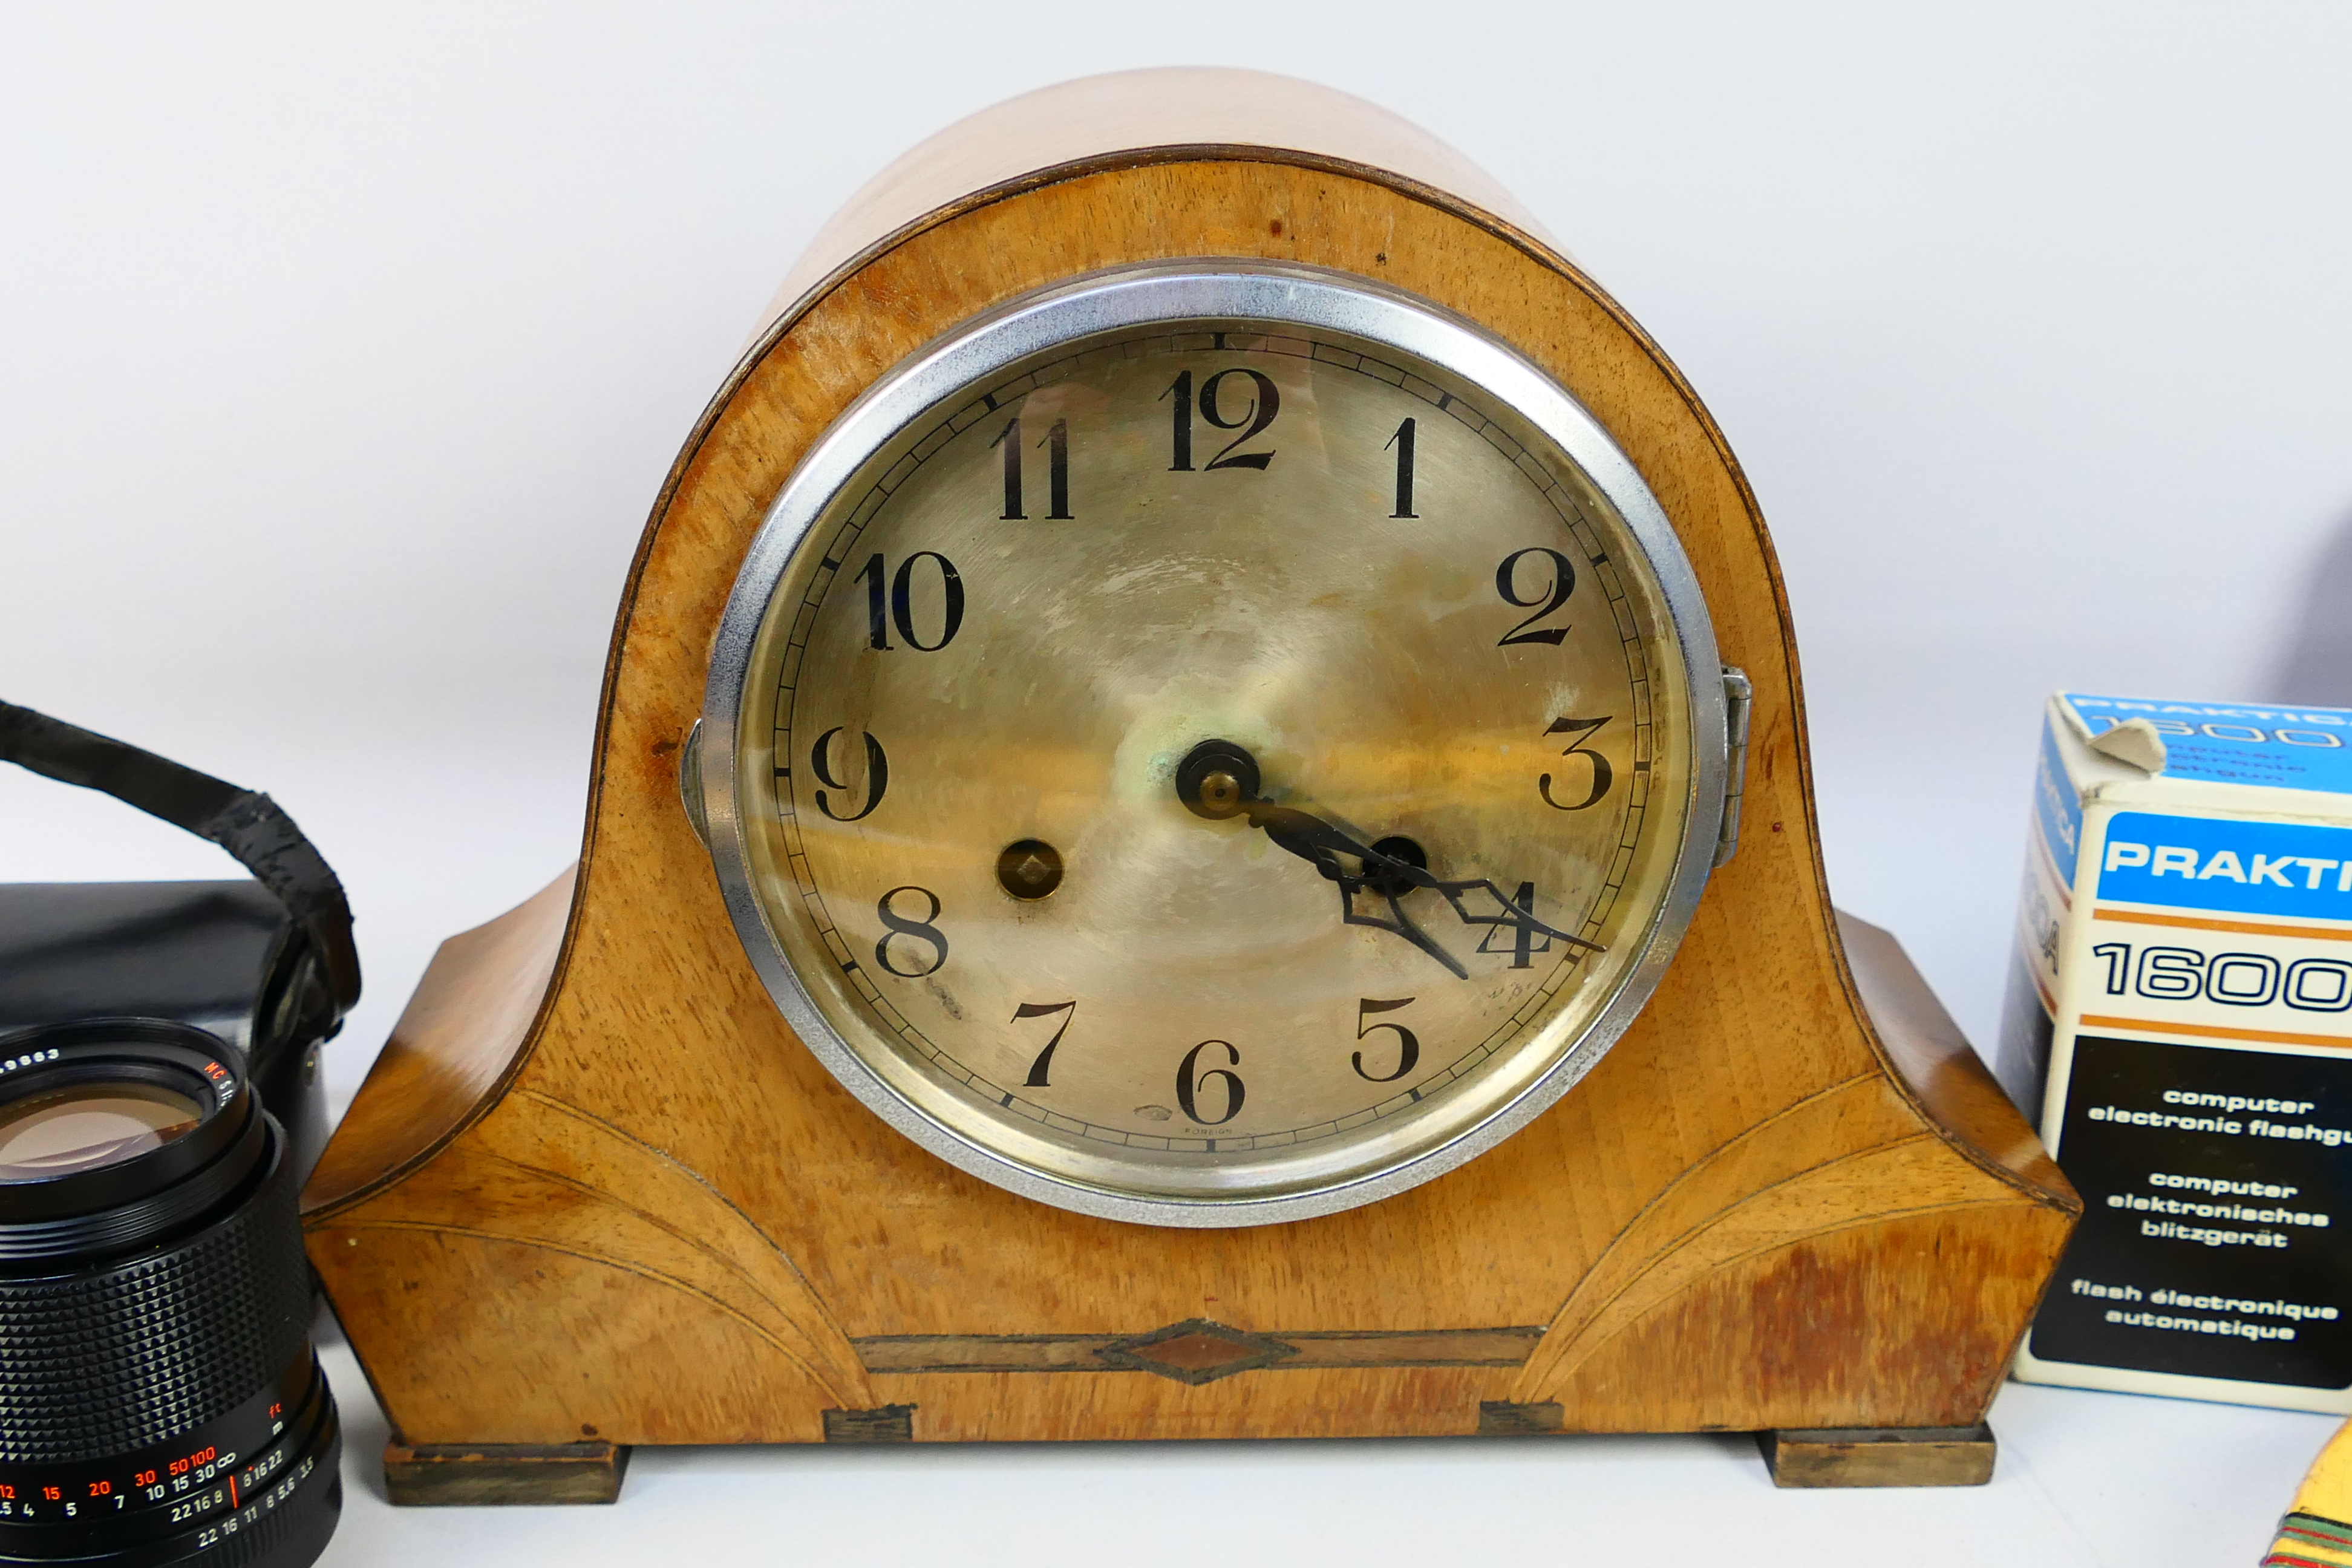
(690,781)
(1738,695)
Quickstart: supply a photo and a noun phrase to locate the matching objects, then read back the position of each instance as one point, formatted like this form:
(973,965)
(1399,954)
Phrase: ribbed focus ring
(114,1359)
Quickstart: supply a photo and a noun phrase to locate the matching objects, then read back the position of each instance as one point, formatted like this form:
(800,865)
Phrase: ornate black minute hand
(1321,845)
(1219,780)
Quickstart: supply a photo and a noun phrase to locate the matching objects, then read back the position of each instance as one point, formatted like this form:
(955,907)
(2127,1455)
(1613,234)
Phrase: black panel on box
(2212,1238)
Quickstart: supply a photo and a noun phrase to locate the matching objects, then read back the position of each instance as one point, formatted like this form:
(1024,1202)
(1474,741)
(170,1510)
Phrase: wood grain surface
(649,1216)
(457,1040)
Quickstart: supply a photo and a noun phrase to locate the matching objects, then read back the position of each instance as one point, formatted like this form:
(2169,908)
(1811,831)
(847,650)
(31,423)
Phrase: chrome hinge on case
(1738,696)
(690,785)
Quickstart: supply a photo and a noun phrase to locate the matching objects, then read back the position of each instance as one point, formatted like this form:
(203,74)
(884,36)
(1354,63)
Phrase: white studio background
(342,352)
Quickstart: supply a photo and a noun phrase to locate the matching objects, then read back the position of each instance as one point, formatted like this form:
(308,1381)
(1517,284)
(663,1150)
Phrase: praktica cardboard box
(2179,1023)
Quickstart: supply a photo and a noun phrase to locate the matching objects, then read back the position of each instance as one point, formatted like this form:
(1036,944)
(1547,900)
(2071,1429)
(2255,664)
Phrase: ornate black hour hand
(1319,844)
(1218,780)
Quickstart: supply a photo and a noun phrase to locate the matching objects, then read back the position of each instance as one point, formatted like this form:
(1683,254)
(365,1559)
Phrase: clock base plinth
(1880,1456)
(471,1475)
(522,1474)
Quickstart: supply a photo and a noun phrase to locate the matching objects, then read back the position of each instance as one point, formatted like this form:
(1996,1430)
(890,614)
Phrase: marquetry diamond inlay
(1195,1351)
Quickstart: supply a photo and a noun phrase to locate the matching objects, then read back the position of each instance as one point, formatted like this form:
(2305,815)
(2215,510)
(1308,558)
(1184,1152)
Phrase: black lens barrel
(159,1397)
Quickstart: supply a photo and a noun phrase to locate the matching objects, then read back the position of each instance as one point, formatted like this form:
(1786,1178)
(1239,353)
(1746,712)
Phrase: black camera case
(264,962)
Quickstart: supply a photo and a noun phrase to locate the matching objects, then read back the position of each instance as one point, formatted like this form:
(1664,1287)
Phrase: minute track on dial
(1218,780)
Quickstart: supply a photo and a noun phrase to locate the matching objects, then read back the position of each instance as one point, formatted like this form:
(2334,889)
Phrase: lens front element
(88,1126)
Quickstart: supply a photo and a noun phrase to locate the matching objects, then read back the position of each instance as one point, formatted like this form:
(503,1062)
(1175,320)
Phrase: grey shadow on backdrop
(2315,663)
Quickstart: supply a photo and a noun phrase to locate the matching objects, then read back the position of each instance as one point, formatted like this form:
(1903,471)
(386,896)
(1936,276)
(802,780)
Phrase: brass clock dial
(1209,745)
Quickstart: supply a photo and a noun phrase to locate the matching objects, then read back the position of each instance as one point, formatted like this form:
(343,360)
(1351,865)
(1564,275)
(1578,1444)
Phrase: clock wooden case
(596,1194)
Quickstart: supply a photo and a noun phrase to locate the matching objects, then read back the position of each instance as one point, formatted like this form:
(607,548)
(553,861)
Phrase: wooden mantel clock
(1167,859)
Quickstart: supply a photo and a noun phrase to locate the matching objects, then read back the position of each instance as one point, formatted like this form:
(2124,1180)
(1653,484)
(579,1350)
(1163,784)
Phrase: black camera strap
(245,823)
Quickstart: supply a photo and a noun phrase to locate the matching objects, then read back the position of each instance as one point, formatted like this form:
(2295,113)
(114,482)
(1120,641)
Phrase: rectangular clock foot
(884,1423)
(1501,1418)
(1880,1456)
(470,1474)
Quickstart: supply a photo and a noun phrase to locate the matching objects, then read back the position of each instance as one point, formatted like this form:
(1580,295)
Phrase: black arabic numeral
(1181,389)
(1263,408)
(1603,774)
(1407,1046)
(1008,441)
(1057,471)
(898,607)
(1403,442)
(1563,584)
(921,930)
(1187,1084)
(877,775)
(902,596)
(1525,935)
(1038,1068)
(878,624)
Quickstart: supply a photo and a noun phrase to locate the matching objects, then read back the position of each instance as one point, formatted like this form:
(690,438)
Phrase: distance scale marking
(214,1467)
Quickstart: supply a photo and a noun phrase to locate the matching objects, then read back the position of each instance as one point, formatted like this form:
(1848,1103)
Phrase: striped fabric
(2307,1541)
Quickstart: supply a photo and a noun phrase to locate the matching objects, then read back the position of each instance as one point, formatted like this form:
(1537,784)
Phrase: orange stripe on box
(2198,923)
(2215,1032)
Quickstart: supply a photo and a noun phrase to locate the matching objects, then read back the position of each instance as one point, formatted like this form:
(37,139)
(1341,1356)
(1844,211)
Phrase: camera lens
(160,1399)
(84,1126)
